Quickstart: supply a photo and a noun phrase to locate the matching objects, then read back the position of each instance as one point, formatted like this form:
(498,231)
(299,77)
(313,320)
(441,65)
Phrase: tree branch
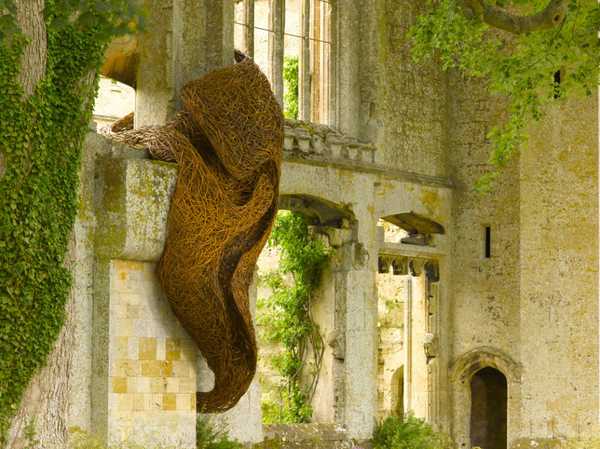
(551,16)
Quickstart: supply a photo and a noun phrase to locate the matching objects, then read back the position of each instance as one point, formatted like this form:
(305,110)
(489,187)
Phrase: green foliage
(285,316)
(40,139)
(212,436)
(520,68)
(290,87)
(408,433)
(292,406)
(107,18)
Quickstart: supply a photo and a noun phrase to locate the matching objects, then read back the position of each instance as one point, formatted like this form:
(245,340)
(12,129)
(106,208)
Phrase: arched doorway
(489,394)
(318,380)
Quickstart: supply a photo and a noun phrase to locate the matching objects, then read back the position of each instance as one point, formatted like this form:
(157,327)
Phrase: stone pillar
(185,39)
(347,63)
(155,98)
(356,306)
(144,363)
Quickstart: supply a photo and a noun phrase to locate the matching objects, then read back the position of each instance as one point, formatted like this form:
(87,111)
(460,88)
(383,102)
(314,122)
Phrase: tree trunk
(30,17)
(46,400)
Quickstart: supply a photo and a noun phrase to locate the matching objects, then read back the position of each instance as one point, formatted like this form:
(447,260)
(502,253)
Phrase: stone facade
(152,373)
(405,322)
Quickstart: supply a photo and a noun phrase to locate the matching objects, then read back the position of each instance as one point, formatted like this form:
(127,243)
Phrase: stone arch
(415,223)
(470,362)
(320,211)
(415,228)
(335,223)
(461,374)
(121,60)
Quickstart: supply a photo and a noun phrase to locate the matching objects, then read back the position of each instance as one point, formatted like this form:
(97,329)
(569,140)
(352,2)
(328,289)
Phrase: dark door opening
(489,409)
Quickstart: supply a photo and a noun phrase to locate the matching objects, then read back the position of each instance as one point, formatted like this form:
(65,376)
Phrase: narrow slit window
(557,81)
(488,242)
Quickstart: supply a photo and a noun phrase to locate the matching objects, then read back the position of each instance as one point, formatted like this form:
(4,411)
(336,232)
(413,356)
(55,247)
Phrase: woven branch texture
(227,142)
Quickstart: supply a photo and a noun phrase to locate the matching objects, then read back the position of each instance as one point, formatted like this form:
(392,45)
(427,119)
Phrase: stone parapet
(319,141)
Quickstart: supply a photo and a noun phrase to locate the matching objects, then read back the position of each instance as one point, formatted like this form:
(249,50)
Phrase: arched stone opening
(489,418)
(408,286)
(318,211)
(334,225)
(114,101)
(414,229)
(481,377)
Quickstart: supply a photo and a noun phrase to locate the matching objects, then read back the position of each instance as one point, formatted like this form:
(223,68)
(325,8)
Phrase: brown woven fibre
(227,142)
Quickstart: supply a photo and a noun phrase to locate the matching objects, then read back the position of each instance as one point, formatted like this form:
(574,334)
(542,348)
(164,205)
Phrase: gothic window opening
(489,394)
(291,41)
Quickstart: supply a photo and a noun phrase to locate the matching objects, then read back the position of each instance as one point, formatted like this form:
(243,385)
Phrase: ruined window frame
(311,49)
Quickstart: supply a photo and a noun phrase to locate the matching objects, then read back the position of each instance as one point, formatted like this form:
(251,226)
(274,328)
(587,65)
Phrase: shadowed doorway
(488,409)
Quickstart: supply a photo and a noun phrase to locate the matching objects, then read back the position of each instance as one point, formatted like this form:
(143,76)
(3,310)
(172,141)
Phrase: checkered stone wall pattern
(152,361)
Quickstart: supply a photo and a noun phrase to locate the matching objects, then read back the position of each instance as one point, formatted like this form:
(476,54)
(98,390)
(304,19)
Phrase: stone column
(154,102)
(356,306)
(185,39)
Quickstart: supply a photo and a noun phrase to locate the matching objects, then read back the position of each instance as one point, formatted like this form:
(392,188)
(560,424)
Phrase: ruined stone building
(476,312)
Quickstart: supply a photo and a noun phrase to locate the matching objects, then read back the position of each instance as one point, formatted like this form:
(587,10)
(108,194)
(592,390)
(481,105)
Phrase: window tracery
(278,32)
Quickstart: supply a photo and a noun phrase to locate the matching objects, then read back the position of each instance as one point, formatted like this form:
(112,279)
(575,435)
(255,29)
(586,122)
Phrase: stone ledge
(132,205)
(303,432)
(323,146)
(306,436)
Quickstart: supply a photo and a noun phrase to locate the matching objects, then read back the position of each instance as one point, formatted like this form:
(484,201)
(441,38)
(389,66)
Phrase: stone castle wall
(412,140)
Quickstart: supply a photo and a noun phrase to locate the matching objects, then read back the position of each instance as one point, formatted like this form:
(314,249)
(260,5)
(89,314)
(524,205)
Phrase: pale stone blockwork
(152,378)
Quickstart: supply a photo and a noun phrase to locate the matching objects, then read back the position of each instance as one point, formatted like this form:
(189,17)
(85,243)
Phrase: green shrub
(292,407)
(210,435)
(408,433)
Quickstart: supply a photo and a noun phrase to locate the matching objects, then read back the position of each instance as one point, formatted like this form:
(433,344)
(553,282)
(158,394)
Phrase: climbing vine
(290,87)
(285,317)
(41,138)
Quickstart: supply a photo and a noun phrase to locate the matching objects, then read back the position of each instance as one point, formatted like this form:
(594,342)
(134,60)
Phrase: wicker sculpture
(227,142)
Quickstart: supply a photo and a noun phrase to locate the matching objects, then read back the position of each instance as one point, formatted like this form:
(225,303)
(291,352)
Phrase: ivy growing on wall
(285,317)
(290,87)
(41,137)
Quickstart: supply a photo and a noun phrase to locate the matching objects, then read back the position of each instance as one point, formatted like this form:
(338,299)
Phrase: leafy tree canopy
(531,51)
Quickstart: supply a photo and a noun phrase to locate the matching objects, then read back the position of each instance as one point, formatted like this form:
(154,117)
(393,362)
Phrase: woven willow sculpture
(227,142)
